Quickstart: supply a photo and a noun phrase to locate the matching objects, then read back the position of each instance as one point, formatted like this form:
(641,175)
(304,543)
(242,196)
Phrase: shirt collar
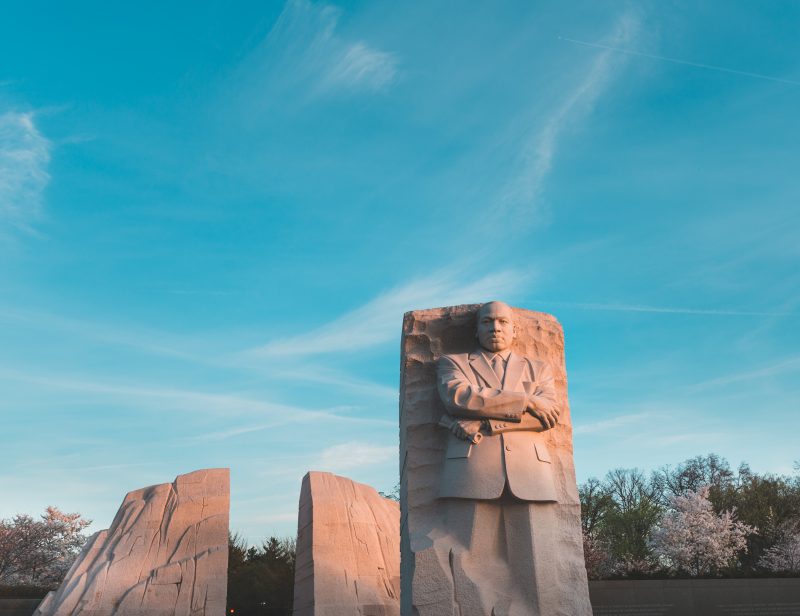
(489,355)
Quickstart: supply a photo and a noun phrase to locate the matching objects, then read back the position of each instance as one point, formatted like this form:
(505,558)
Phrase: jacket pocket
(542,452)
(456,448)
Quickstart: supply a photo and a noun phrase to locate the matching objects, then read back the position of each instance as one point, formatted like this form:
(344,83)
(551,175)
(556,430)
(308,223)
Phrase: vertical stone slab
(348,552)
(555,549)
(166,554)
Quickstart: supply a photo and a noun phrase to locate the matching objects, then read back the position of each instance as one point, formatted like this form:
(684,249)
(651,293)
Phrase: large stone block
(510,554)
(165,554)
(348,549)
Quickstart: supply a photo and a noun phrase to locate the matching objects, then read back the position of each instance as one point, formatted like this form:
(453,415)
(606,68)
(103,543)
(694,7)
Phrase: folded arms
(465,400)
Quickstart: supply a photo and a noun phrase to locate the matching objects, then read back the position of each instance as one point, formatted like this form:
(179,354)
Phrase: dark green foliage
(596,502)
(632,510)
(691,475)
(767,502)
(261,579)
(393,495)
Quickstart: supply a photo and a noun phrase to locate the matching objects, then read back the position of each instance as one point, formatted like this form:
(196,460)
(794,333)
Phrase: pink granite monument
(348,549)
(490,512)
(165,554)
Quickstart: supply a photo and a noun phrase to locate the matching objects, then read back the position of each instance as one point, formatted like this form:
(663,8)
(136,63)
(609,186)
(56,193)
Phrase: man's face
(495,327)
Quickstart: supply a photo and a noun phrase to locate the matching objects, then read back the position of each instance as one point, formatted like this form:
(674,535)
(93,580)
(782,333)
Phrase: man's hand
(548,417)
(457,429)
(467,430)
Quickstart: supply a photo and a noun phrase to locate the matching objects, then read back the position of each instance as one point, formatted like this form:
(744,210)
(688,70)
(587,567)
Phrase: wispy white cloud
(305,55)
(612,423)
(536,160)
(24,157)
(704,437)
(164,344)
(789,365)
(361,66)
(378,321)
(355,454)
(149,341)
(196,401)
(658,424)
(326,415)
(324,375)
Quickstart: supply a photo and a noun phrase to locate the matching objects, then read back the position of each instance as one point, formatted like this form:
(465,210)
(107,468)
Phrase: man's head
(496,330)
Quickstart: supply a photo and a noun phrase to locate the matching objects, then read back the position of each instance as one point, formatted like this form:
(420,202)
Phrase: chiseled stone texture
(348,549)
(554,552)
(166,554)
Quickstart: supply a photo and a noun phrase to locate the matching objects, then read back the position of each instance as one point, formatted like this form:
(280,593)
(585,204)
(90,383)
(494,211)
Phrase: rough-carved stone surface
(166,554)
(462,579)
(348,550)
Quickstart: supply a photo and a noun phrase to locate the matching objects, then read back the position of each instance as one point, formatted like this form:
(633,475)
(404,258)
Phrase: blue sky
(212,219)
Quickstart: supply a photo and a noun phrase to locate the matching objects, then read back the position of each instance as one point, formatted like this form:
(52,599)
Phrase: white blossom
(784,555)
(692,538)
(39,552)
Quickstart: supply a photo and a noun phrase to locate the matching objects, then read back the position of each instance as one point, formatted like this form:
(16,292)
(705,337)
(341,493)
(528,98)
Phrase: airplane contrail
(685,62)
(669,310)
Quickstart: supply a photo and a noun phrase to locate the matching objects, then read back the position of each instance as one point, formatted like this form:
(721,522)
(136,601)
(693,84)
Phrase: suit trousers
(502,556)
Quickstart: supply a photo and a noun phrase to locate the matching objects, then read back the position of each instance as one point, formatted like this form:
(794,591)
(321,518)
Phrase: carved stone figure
(506,399)
(166,554)
(491,519)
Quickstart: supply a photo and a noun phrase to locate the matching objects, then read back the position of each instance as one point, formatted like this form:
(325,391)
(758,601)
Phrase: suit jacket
(508,452)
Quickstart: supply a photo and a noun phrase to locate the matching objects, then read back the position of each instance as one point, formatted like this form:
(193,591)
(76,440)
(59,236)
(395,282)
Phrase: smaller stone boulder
(166,554)
(348,549)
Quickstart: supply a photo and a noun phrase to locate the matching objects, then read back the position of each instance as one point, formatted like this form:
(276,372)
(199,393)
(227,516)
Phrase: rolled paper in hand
(447,422)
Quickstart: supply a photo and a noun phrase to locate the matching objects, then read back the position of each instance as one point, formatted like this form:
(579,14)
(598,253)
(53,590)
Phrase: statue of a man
(497,477)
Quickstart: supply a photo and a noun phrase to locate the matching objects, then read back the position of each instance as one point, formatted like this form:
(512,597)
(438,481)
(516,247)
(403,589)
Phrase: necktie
(497,366)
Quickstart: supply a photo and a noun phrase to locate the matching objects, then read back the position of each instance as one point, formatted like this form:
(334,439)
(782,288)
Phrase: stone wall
(10,606)
(731,597)
(734,597)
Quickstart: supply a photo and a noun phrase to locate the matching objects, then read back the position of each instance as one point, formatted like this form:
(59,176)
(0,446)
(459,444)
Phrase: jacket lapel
(482,367)
(514,369)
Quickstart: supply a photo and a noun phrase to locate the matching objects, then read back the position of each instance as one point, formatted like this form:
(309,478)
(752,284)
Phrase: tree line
(261,578)
(699,518)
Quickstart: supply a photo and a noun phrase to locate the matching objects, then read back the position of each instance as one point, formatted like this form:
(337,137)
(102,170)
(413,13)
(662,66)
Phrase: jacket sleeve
(464,399)
(543,395)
